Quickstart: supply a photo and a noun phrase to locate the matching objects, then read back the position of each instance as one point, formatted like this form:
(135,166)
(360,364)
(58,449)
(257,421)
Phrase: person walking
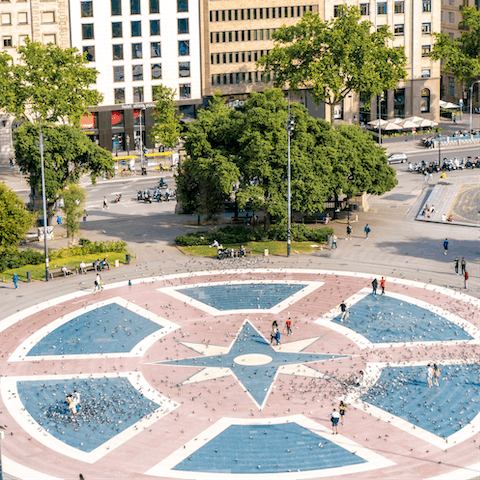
(436,374)
(349,232)
(465,277)
(374,286)
(343,411)
(15,279)
(344,309)
(367,230)
(382,284)
(463,264)
(105,205)
(445,246)
(335,417)
(455,263)
(98,283)
(288,326)
(430,375)
(277,336)
(334,241)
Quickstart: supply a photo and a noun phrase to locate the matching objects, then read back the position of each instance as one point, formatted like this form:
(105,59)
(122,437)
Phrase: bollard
(117,263)
(29,276)
(127,258)
(266,252)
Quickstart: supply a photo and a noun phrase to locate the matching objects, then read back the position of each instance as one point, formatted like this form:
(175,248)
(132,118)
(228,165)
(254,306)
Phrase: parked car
(397,158)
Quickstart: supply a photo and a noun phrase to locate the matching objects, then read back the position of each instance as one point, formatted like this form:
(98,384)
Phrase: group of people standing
(275,334)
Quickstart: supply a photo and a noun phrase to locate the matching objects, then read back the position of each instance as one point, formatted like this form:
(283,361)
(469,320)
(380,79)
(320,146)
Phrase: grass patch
(38,271)
(258,248)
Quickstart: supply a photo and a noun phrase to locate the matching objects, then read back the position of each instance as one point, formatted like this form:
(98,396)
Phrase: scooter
(162,184)
(118,198)
(139,195)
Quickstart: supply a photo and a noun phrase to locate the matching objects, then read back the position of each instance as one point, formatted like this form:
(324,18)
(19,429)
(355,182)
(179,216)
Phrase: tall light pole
(380,98)
(44,200)
(141,139)
(471,102)
(290,127)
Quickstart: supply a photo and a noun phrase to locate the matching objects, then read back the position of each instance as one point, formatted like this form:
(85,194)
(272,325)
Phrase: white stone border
(11,398)
(175,292)
(372,373)
(20,353)
(466,473)
(164,469)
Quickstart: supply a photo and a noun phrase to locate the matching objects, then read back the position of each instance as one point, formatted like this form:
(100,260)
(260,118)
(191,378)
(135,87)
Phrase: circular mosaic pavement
(178,377)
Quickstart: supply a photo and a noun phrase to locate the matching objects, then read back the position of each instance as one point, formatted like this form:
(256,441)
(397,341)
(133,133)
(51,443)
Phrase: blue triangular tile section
(243,296)
(256,449)
(383,319)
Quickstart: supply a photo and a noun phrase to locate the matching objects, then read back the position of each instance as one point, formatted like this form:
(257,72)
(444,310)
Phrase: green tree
(74,198)
(68,154)
(167,126)
(336,57)
(48,84)
(15,221)
(461,55)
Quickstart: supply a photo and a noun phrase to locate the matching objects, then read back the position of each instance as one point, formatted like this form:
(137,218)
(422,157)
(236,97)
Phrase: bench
(325,219)
(236,252)
(59,272)
(88,266)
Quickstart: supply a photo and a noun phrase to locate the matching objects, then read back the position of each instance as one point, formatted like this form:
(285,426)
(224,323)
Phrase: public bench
(323,219)
(236,252)
(88,267)
(59,272)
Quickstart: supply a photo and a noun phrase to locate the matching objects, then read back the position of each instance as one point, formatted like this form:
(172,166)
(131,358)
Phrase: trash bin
(29,276)
(127,258)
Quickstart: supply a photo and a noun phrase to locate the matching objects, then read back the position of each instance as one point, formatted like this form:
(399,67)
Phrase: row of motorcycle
(147,197)
(448,164)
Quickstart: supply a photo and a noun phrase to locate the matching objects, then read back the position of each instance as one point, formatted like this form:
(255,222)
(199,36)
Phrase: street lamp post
(141,138)
(471,102)
(380,98)
(44,200)
(290,127)
(439,151)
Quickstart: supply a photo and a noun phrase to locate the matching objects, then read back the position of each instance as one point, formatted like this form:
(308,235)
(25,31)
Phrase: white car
(397,158)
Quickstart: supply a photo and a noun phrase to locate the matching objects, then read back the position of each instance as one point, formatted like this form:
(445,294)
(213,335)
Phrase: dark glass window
(137,72)
(399,30)
(135,7)
(154,6)
(427,5)
(182,6)
(117,52)
(117,31)
(381,8)
(136,29)
(119,94)
(90,51)
(86,9)
(185,90)
(425,101)
(426,49)
(156,71)
(87,31)
(183,26)
(183,69)
(399,7)
(365,9)
(138,94)
(116,7)
(183,48)
(155,49)
(136,50)
(119,73)
(154,27)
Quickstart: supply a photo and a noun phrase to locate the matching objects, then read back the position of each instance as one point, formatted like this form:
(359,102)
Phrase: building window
(22,18)
(426,5)
(117,118)
(154,27)
(136,50)
(426,49)
(119,73)
(156,71)
(183,48)
(185,90)
(87,31)
(86,9)
(137,94)
(90,53)
(134,7)
(425,101)
(451,85)
(451,17)
(119,94)
(7,42)
(136,29)
(399,30)
(336,10)
(399,7)
(425,72)
(117,52)
(154,6)
(183,26)
(399,102)
(49,38)
(155,50)
(116,7)
(382,8)
(117,31)
(137,72)
(182,6)
(365,8)
(426,28)
(48,17)
(183,69)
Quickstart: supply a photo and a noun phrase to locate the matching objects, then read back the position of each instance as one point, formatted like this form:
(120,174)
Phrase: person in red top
(465,276)
(288,325)
(382,284)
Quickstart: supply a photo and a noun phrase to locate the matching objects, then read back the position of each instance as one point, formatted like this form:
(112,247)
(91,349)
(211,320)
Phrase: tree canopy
(74,198)
(48,83)
(461,55)
(243,153)
(68,154)
(167,126)
(333,58)
(15,221)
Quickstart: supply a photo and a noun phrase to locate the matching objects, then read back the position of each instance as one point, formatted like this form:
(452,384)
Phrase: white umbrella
(374,123)
(414,119)
(427,123)
(442,103)
(398,120)
(450,105)
(407,124)
(391,126)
